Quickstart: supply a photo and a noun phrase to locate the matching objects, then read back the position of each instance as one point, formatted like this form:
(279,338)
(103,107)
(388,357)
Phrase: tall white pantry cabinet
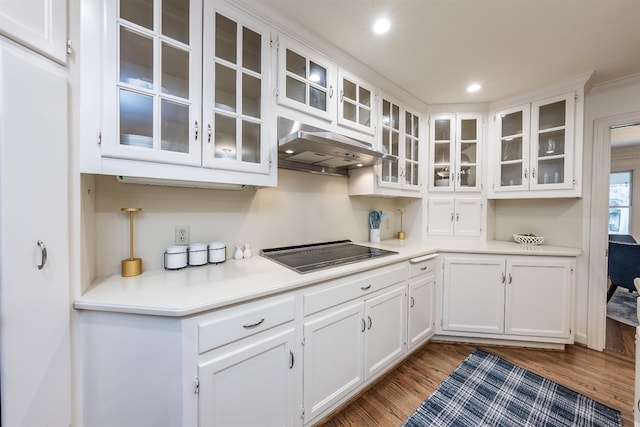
(35,361)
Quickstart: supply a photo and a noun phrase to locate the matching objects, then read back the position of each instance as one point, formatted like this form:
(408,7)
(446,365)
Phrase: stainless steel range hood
(310,149)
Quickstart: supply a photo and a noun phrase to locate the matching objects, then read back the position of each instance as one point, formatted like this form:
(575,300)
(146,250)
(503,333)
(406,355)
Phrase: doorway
(598,241)
(624,188)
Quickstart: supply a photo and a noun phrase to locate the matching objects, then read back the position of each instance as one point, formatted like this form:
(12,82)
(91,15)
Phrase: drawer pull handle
(291,359)
(370,322)
(253,325)
(413,302)
(423,268)
(364,325)
(504,279)
(365,288)
(510,278)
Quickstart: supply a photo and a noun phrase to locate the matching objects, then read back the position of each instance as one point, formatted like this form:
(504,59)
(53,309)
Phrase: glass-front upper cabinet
(455,152)
(356,103)
(390,143)
(411,169)
(399,139)
(155,101)
(235,108)
(552,142)
(536,143)
(305,82)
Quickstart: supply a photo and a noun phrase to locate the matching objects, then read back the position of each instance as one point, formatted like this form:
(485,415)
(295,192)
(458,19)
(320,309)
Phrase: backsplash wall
(304,208)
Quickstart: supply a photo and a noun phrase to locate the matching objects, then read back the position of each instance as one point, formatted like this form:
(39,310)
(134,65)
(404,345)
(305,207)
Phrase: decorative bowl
(525,239)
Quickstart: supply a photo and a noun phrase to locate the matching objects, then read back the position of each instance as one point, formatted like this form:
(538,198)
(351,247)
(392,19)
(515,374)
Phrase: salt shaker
(237,254)
(247,251)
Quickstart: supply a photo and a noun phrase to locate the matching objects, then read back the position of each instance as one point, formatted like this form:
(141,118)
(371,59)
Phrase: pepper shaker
(247,251)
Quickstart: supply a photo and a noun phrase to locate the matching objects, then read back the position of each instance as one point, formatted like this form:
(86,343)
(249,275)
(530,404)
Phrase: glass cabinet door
(552,142)
(468,152)
(390,142)
(157,83)
(304,82)
(356,103)
(411,170)
(235,80)
(512,127)
(442,139)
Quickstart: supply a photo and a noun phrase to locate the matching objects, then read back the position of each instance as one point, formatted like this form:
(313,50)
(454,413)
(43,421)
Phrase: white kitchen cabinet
(35,351)
(38,24)
(456,153)
(196,370)
(421,314)
(354,330)
(519,298)
(306,80)
(400,138)
(534,149)
(184,94)
(454,216)
(357,103)
(333,357)
(260,373)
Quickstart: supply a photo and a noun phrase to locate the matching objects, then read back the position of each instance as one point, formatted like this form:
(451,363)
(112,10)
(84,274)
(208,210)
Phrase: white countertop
(194,290)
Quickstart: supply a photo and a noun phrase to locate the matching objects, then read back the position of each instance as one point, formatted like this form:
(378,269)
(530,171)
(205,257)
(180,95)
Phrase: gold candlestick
(131,266)
(401,235)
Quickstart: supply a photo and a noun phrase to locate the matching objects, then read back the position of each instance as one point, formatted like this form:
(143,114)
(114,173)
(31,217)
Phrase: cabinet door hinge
(196,385)
(99,141)
(69,47)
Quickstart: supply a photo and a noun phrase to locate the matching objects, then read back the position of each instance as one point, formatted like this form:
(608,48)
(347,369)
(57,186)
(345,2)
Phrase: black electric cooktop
(318,256)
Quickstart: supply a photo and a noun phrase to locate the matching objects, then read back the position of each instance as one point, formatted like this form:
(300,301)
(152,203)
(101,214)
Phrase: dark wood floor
(604,376)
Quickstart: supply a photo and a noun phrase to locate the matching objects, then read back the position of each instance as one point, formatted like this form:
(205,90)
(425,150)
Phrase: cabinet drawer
(422,265)
(352,287)
(243,321)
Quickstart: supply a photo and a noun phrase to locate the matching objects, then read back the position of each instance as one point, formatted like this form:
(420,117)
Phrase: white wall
(558,220)
(304,208)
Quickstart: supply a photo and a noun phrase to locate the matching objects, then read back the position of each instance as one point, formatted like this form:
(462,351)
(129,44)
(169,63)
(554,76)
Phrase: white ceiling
(435,48)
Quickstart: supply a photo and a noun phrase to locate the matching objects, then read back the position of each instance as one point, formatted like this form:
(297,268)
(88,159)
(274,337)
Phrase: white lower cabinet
(514,297)
(421,318)
(348,340)
(260,373)
(347,345)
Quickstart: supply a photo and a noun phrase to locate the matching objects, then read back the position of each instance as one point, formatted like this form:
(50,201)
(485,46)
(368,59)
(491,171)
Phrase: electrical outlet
(182,234)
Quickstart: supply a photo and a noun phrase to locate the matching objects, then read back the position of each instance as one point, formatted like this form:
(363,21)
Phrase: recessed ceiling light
(289,151)
(381,26)
(473,87)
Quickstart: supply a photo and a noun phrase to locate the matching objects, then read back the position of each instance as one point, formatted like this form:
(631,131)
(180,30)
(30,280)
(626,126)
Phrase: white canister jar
(197,254)
(217,252)
(175,257)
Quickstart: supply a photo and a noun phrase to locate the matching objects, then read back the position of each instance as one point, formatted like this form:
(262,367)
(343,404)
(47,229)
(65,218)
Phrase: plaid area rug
(486,390)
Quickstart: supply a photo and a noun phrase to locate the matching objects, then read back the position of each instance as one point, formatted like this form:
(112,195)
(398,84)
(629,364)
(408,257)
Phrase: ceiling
(435,48)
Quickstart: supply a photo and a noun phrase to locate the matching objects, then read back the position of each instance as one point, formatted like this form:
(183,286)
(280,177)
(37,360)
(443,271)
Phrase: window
(619,202)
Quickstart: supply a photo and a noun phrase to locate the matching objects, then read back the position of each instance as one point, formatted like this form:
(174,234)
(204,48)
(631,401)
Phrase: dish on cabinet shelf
(444,182)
